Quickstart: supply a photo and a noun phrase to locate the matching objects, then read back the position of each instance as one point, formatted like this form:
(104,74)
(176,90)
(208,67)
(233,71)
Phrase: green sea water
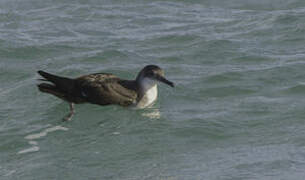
(236,113)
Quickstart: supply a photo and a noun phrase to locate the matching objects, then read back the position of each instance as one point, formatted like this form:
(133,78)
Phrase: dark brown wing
(105,89)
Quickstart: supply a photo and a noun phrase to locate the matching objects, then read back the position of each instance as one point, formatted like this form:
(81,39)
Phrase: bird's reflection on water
(152,113)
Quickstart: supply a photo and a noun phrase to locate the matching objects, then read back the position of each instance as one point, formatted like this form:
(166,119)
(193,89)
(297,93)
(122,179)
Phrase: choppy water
(237,111)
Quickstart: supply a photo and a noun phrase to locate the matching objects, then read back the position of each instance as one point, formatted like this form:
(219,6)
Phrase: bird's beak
(162,79)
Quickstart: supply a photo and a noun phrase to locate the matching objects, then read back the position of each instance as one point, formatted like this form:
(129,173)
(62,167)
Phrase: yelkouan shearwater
(105,88)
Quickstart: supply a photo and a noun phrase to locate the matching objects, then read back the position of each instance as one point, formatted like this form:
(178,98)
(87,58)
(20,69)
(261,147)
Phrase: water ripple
(36,136)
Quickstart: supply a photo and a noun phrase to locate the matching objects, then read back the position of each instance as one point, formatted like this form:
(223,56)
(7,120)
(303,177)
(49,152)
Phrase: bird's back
(105,89)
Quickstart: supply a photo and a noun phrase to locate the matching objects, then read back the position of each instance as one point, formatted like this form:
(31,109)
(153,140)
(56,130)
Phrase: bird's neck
(148,92)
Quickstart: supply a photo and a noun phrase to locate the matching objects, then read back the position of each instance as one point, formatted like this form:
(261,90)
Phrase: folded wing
(105,89)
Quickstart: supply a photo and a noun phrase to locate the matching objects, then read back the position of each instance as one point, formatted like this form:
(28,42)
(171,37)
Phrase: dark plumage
(105,88)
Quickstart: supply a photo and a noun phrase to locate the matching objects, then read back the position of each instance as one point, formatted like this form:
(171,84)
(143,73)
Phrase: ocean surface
(237,111)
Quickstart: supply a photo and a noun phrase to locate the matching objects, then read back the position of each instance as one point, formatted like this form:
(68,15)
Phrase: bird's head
(153,74)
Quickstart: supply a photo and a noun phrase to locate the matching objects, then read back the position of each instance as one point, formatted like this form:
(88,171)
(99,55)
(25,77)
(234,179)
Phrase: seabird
(105,88)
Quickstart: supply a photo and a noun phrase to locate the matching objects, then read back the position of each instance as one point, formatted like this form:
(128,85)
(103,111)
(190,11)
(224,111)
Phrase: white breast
(150,93)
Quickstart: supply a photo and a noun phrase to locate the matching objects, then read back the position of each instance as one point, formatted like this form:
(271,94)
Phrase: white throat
(150,92)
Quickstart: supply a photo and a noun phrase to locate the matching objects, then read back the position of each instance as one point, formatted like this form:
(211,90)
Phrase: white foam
(45,132)
(116,133)
(31,149)
(32,137)
(33,142)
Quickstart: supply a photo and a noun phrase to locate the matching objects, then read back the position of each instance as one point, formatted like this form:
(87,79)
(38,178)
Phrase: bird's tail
(60,87)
